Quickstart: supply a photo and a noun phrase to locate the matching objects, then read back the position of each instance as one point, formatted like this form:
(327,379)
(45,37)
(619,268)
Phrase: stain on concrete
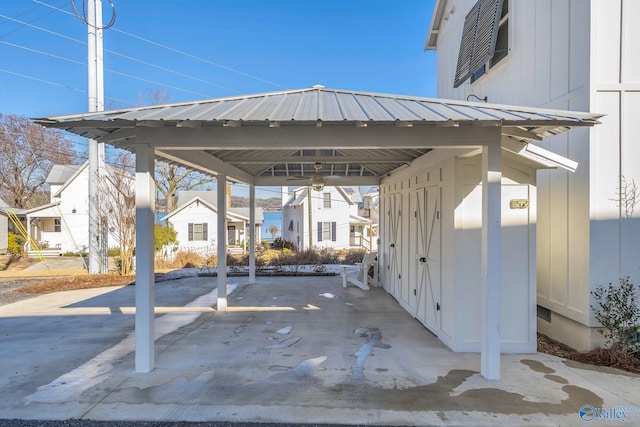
(556,378)
(284,343)
(302,385)
(374,339)
(537,366)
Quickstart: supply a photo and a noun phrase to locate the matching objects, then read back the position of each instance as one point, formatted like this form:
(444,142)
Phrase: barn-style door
(427,278)
(394,266)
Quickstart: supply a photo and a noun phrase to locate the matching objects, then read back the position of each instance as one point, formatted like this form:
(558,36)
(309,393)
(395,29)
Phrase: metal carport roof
(266,139)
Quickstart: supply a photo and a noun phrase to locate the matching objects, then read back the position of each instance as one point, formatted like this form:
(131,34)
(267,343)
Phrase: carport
(266,139)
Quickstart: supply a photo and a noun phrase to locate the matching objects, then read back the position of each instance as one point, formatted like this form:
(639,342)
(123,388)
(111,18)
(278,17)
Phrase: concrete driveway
(295,350)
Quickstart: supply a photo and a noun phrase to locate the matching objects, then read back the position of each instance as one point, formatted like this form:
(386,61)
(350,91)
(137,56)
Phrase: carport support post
(222,243)
(251,238)
(491,259)
(145,293)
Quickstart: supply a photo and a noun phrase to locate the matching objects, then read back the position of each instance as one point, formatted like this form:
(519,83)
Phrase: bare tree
(27,153)
(273,230)
(170,178)
(118,207)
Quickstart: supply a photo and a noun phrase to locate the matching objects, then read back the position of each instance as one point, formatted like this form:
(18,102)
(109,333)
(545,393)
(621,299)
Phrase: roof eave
(434,27)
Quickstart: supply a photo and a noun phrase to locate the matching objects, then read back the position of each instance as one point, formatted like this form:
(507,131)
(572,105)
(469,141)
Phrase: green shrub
(618,312)
(15,244)
(286,252)
(163,235)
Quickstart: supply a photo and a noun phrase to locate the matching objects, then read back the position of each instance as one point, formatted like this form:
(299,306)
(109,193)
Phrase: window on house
(326,200)
(485,39)
(57,225)
(290,225)
(326,231)
(198,232)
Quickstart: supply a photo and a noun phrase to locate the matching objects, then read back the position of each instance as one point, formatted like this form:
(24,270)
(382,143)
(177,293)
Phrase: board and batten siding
(572,55)
(432,211)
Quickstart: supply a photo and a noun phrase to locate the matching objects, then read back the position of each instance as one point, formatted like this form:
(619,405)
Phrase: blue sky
(218,48)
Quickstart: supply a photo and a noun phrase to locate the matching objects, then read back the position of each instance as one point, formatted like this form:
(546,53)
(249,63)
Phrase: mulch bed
(599,357)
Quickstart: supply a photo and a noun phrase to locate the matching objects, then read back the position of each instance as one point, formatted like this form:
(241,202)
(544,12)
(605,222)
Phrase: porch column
(252,233)
(491,259)
(144,321)
(222,243)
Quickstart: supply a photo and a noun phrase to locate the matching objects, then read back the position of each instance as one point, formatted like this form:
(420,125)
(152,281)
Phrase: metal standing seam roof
(321,104)
(318,107)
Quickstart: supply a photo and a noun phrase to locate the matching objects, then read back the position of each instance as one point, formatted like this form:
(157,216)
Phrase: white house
(62,225)
(370,209)
(195,220)
(327,219)
(565,55)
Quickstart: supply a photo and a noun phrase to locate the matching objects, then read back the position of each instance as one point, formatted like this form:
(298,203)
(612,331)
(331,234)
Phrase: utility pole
(98,262)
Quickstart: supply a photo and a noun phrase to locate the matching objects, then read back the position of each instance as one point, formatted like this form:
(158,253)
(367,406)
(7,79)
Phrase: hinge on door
(437,306)
(399,276)
(415,292)
(437,214)
(415,214)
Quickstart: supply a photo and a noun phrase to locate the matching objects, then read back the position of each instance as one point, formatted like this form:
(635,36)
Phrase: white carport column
(251,239)
(491,259)
(222,243)
(145,195)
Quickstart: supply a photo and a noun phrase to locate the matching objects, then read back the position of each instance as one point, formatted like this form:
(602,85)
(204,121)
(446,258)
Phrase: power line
(40,80)
(180,52)
(109,70)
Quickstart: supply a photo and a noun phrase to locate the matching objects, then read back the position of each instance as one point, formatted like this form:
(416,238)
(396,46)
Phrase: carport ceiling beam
(285,180)
(268,160)
(206,163)
(326,137)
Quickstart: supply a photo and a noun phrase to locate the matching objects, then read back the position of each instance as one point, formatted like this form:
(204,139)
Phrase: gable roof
(209,199)
(59,174)
(299,195)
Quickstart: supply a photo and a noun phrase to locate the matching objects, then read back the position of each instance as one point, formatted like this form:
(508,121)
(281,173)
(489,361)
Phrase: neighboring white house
(195,220)
(62,225)
(333,215)
(568,55)
(370,209)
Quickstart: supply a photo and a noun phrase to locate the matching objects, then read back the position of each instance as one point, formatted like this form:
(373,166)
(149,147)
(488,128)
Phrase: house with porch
(195,219)
(457,184)
(578,56)
(325,218)
(62,225)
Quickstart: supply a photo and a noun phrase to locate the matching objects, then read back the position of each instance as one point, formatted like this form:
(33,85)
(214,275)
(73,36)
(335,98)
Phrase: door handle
(423,259)
(393,245)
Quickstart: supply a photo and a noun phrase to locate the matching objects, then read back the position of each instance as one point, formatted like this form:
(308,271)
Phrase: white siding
(456,283)
(576,55)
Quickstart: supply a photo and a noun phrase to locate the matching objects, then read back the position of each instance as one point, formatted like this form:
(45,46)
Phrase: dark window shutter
(465,55)
(333,231)
(319,232)
(479,36)
(487,33)
(190,231)
(205,229)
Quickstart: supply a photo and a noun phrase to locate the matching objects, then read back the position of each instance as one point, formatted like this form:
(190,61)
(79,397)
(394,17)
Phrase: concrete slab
(295,350)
